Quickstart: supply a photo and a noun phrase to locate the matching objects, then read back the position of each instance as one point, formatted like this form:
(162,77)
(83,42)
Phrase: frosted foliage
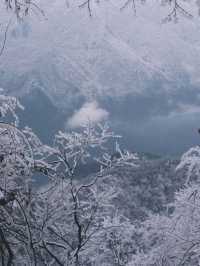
(80,211)
(15,155)
(190,162)
(8,106)
(173,240)
(79,222)
(68,221)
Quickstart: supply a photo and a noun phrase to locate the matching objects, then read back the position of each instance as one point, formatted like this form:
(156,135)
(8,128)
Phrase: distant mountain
(114,54)
(145,74)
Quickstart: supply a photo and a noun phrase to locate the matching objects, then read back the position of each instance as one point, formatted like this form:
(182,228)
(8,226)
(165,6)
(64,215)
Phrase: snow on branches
(64,221)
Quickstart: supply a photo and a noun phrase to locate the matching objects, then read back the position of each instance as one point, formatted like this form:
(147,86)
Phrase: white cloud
(88,112)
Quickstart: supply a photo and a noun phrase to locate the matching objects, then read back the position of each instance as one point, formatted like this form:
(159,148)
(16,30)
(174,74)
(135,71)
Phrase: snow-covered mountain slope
(111,53)
(143,72)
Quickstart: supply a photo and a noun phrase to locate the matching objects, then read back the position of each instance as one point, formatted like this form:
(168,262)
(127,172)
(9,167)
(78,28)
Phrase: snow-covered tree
(174,239)
(69,221)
